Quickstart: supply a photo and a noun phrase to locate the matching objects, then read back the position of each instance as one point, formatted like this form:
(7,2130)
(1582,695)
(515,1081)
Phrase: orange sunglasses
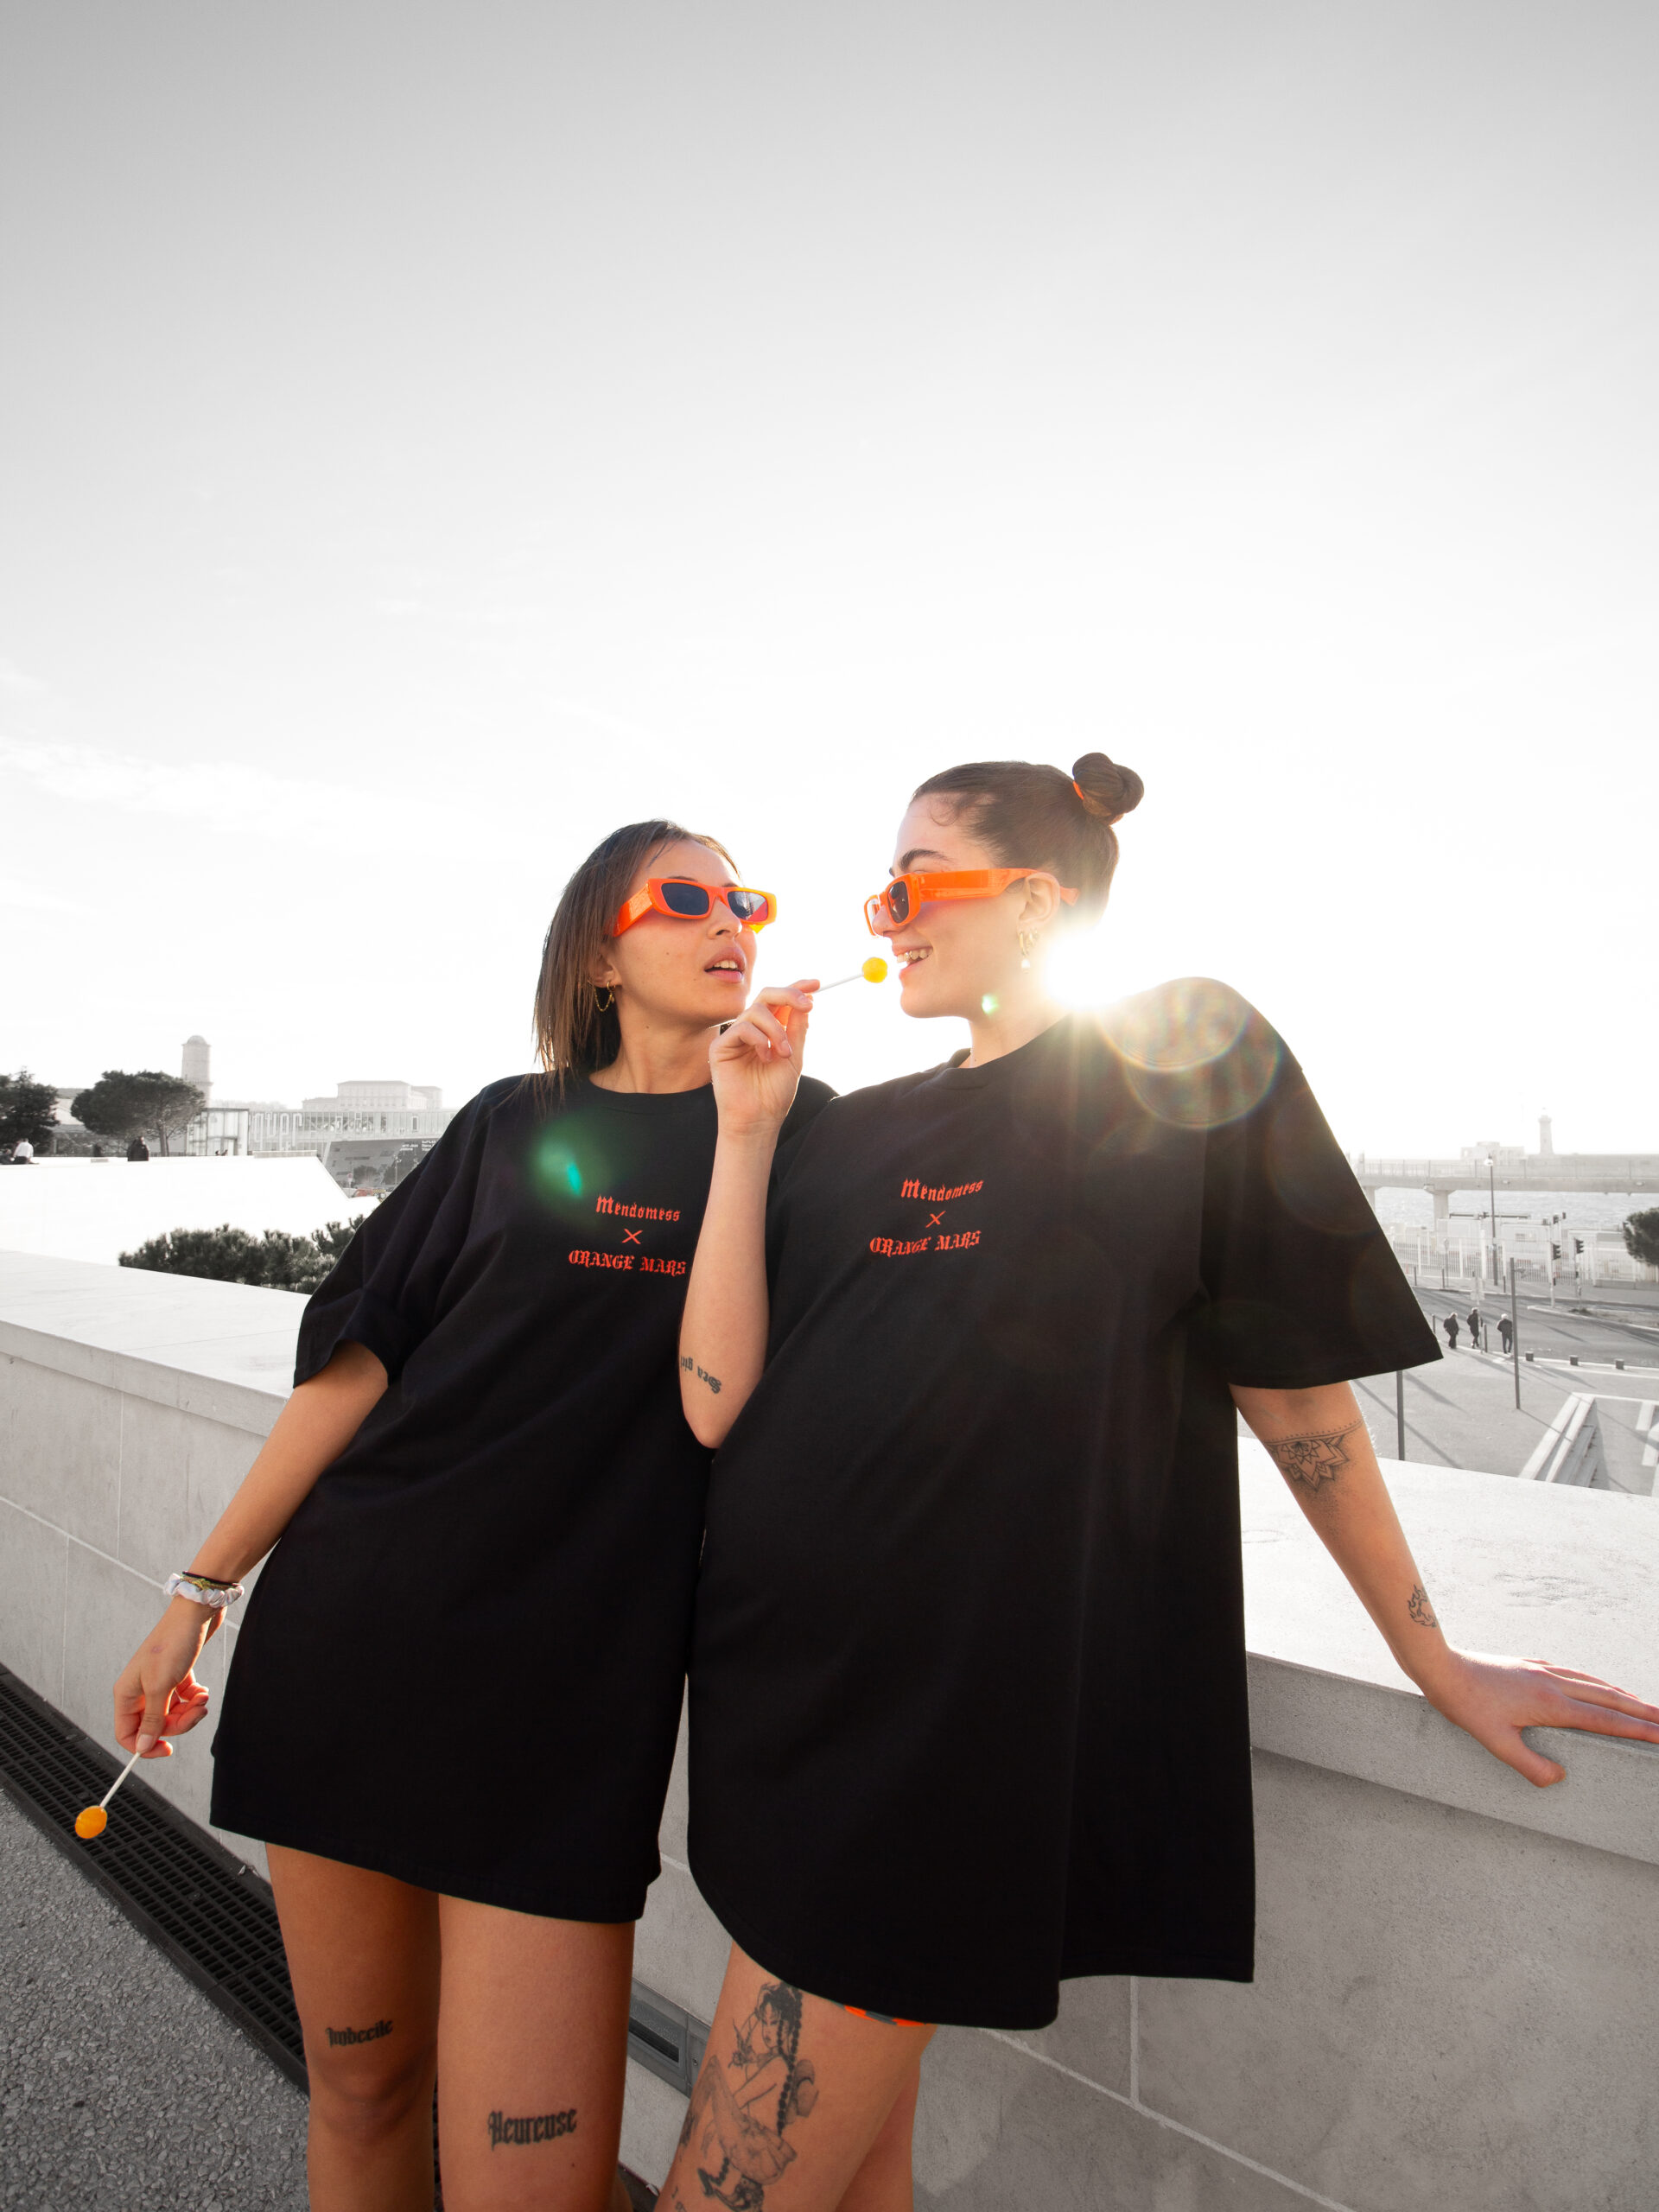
(686,901)
(907,894)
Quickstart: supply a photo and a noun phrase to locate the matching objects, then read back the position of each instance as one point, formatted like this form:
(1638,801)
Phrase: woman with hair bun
(452,1705)
(968,1689)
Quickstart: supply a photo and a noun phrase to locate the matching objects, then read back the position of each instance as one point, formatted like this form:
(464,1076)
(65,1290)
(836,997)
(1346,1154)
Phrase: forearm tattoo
(734,2128)
(690,1367)
(1420,1609)
(1314,1461)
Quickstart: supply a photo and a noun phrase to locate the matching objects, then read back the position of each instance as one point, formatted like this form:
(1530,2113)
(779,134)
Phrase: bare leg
(885,2181)
(794,2096)
(532,2056)
(363,1955)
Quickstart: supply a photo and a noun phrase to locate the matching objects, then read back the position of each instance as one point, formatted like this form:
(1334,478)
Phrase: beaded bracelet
(201,1590)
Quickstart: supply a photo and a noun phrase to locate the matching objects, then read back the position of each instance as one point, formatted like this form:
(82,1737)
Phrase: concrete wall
(1457,2001)
(131,1405)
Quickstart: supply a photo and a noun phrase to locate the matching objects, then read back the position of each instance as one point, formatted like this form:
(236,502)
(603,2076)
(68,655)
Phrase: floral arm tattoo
(1316,1460)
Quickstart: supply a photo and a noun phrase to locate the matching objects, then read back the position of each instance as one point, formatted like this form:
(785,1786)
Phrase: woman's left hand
(1493,1700)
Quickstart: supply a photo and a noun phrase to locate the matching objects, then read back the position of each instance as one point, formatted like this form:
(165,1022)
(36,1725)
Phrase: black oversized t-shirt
(462,1664)
(968,1687)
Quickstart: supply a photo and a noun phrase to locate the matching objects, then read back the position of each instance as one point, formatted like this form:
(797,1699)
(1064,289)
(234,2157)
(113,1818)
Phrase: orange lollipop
(93,1819)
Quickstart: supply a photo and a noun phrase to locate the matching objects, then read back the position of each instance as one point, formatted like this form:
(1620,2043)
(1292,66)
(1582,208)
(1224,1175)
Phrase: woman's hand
(1493,1700)
(157,1694)
(756,1063)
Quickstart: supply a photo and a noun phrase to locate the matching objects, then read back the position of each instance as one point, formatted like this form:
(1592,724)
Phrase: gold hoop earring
(603,1005)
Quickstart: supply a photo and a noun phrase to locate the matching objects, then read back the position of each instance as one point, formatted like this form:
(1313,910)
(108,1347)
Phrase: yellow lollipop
(93,1819)
(875,970)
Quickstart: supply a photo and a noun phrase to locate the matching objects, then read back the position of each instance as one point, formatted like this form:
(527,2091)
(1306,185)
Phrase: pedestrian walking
(1505,1333)
(137,1149)
(1474,1326)
(1450,1324)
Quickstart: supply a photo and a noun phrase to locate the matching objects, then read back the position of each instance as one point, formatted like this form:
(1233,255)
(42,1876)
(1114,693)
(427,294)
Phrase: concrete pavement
(121,2086)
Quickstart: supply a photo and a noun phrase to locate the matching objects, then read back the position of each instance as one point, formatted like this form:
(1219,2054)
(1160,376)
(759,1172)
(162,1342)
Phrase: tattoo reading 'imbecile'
(1420,1609)
(690,1367)
(1314,1461)
(359,2035)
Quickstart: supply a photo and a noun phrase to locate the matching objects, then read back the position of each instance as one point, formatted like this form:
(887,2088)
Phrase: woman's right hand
(756,1063)
(157,1694)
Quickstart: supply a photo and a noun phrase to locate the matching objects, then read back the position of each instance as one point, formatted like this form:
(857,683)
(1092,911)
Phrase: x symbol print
(631,1236)
(933,1218)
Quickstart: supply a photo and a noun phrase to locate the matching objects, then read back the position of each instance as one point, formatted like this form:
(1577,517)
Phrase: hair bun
(1106,789)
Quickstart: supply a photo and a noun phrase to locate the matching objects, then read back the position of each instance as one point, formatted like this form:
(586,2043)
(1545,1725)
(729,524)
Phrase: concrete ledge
(1610,1798)
(1458,1978)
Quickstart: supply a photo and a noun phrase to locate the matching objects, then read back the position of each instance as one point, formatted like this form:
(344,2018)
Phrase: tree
(273,1261)
(1641,1235)
(27,1109)
(143,1104)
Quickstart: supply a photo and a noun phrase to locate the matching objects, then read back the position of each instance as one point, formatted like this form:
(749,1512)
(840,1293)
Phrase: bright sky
(433,435)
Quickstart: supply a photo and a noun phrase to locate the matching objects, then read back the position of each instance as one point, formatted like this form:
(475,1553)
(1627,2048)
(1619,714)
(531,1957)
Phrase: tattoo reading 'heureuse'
(539,2128)
(1314,1461)
(1420,1609)
(690,1367)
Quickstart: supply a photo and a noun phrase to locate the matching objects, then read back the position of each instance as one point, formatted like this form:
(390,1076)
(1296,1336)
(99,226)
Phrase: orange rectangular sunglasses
(905,894)
(684,900)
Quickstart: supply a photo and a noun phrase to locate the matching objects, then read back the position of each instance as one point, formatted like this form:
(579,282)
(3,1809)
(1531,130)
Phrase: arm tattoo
(1314,1461)
(738,2127)
(688,1366)
(1420,1609)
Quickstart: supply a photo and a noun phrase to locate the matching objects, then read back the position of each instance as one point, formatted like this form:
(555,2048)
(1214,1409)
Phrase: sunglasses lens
(746,905)
(691,900)
(898,900)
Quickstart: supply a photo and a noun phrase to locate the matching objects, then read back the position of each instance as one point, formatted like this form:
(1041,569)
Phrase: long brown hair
(575,1034)
(1034,816)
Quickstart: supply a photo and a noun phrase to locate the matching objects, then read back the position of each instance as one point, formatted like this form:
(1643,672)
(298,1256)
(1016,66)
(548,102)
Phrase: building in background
(367,1134)
(379,1098)
(197,1066)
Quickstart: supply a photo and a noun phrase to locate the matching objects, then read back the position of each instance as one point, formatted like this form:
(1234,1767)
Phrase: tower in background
(197,1066)
(1545,1142)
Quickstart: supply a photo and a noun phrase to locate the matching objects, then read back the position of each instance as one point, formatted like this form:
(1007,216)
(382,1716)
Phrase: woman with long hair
(453,1704)
(968,1688)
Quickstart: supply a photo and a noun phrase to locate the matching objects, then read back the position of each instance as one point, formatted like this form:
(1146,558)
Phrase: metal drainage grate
(666,2039)
(211,1915)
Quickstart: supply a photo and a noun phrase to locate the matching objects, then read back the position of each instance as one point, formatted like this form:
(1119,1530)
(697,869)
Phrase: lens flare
(1077,972)
(559,1173)
(1195,1053)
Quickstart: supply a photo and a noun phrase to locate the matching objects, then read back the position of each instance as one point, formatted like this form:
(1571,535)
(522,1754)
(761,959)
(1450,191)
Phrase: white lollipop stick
(117,1784)
(873,971)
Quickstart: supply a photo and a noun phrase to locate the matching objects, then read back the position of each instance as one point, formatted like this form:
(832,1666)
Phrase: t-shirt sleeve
(1302,1288)
(384,1290)
(811,1099)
